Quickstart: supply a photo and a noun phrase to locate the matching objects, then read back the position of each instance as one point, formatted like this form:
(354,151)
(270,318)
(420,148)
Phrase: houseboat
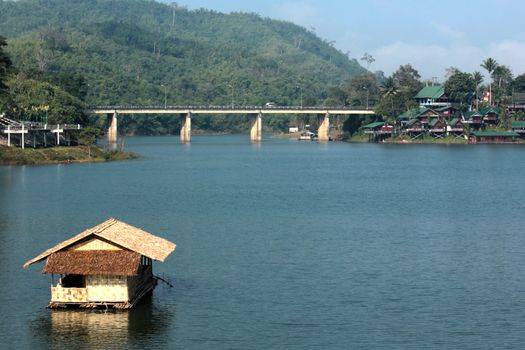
(109,265)
(307,136)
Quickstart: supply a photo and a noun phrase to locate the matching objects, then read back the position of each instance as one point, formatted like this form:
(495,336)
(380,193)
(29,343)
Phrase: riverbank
(57,155)
(428,140)
(448,140)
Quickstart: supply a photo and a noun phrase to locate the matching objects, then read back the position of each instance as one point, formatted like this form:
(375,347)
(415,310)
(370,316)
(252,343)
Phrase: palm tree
(478,79)
(490,65)
(502,74)
(390,88)
(368,58)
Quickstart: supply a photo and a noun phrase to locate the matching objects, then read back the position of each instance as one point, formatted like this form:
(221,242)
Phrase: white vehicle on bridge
(269,104)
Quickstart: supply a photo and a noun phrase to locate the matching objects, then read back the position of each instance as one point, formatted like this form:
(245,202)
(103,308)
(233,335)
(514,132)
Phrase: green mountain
(138,52)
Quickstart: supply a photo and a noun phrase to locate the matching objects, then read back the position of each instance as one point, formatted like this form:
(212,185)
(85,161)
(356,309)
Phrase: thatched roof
(94,262)
(121,234)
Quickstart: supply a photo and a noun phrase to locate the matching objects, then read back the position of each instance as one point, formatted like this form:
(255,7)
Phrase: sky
(430,35)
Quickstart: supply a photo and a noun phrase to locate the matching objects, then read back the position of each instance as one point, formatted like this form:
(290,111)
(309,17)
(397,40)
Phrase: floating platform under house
(109,265)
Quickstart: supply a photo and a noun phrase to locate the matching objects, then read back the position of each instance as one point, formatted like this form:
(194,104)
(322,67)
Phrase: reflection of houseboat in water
(307,136)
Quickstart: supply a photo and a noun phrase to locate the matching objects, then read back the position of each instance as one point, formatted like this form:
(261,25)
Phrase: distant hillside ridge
(138,52)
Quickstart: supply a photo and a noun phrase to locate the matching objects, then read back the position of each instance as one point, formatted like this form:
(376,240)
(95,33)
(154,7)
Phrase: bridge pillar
(256,129)
(113,129)
(323,133)
(185,128)
(23,139)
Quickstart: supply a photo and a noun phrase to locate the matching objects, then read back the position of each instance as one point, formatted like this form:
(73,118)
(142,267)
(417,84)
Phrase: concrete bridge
(257,112)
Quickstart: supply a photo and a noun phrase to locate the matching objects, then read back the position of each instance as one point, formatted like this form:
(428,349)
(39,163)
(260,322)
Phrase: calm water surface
(283,245)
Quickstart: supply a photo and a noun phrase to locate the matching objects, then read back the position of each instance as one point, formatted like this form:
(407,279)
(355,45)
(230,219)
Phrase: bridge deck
(228,110)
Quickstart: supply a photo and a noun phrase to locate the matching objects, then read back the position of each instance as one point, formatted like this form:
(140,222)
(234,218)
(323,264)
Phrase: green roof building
(373,125)
(412,113)
(490,110)
(490,114)
(518,124)
(493,137)
(432,97)
(519,127)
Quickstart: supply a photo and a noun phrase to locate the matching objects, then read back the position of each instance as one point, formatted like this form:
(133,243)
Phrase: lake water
(283,245)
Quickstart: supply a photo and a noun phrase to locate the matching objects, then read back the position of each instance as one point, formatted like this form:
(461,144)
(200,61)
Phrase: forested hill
(139,52)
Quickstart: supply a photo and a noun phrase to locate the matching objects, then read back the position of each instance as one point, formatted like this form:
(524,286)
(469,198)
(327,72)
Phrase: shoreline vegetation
(362,138)
(403,140)
(398,140)
(95,154)
(117,53)
(60,155)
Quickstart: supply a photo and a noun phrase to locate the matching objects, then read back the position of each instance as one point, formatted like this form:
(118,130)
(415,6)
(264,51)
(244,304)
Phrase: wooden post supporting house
(109,265)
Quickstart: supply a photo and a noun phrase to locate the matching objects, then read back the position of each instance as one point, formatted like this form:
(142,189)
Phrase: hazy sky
(430,35)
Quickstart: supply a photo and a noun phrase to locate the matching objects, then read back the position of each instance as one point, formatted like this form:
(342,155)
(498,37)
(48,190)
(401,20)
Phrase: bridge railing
(229,107)
(37,126)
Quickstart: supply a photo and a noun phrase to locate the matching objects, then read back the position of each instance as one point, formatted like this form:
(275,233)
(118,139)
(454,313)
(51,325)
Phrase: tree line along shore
(52,72)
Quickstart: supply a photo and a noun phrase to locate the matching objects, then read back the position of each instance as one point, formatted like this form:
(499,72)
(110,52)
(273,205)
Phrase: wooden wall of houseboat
(135,283)
(94,244)
(68,295)
(107,288)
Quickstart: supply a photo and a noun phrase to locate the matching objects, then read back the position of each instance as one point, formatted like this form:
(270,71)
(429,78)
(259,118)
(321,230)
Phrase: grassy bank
(428,140)
(54,155)
(357,138)
(362,138)
(291,135)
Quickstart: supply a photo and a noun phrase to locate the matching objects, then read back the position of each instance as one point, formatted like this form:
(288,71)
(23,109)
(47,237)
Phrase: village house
(436,117)
(447,112)
(518,103)
(519,127)
(414,128)
(403,118)
(378,131)
(425,115)
(490,115)
(455,128)
(437,127)
(109,265)
(473,118)
(432,96)
(414,121)
(493,137)
(422,114)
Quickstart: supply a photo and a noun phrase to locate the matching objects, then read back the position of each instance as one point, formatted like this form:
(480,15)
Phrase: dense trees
(143,52)
(5,64)
(363,90)
(518,85)
(71,54)
(398,91)
(502,77)
(88,136)
(389,91)
(28,99)
(460,88)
